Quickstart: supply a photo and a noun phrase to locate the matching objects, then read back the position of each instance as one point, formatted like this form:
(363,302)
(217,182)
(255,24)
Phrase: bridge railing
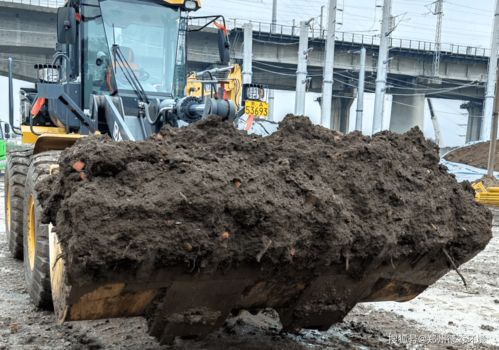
(42,3)
(277,30)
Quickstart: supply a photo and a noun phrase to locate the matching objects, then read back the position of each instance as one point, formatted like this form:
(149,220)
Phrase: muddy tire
(36,234)
(14,180)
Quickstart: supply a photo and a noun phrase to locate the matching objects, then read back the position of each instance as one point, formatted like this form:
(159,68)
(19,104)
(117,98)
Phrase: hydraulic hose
(148,117)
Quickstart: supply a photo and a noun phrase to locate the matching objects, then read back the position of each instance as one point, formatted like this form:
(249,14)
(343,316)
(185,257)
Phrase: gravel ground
(447,316)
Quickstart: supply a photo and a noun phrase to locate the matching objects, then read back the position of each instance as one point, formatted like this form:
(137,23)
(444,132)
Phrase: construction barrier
(486,195)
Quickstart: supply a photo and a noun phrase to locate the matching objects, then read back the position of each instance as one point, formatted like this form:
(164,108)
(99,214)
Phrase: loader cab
(151,37)
(120,69)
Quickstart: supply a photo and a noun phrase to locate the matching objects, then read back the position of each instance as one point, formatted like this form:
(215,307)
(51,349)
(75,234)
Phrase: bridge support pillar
(475,119)
(407,111)
(340,112)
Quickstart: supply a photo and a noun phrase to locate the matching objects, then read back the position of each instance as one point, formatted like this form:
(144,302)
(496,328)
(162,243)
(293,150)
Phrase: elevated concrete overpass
(463,71)
(27,33)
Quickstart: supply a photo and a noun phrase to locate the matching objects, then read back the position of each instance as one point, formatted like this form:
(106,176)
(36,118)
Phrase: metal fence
(42,3)
(277,30)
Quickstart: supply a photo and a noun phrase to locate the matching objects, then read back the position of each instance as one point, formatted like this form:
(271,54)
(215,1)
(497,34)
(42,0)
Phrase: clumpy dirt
(476,155)
(213,194)
(209,198)
(489,181)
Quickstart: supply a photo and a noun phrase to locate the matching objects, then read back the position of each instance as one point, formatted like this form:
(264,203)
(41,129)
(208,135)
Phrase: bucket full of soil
(202,221)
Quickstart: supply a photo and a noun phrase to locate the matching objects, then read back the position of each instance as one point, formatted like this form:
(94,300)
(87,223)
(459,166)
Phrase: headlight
(48,75)
(190,5)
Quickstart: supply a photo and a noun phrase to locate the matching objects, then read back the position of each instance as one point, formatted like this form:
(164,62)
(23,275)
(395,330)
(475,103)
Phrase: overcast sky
(465,22)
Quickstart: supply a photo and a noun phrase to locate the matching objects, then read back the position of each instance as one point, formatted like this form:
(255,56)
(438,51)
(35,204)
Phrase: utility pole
(322,21)
(439,12)
(436,125)
(248,53)
(11,93)
(273,30)
(274,16)
(271,104)
(327,85)
(385,34)
(491,79)
(360,90)
(493,133)
(301,73)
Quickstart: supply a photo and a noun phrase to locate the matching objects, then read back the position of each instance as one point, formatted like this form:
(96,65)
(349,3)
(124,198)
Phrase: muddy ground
(476,155)
(446,316)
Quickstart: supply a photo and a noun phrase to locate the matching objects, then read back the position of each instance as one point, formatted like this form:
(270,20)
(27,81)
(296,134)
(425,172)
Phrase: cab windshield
(147,35)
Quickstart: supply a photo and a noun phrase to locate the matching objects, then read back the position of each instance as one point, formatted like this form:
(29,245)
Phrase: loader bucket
(200,222)
(181,304)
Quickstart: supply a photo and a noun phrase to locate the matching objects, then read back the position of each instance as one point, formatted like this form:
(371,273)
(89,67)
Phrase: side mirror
(66,25)
(223,47)
(6,128)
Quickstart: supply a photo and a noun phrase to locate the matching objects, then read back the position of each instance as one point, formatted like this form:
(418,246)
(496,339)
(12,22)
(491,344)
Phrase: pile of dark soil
(476,155)
(210,197)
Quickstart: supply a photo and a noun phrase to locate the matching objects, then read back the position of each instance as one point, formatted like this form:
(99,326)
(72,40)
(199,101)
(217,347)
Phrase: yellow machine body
(486,195)
(232,84)
(30,135)
(182,3)
(46,138)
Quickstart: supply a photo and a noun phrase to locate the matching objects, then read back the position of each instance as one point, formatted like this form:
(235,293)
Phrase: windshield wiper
(129,74)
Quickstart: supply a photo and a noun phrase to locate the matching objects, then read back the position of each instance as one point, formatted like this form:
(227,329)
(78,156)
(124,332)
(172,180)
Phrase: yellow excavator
(206,83)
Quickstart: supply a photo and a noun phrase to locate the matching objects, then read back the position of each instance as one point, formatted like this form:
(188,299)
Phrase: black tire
(36,252)
(14,180)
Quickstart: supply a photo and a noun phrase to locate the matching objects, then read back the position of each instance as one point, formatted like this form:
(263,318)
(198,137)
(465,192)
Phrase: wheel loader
(120,69)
